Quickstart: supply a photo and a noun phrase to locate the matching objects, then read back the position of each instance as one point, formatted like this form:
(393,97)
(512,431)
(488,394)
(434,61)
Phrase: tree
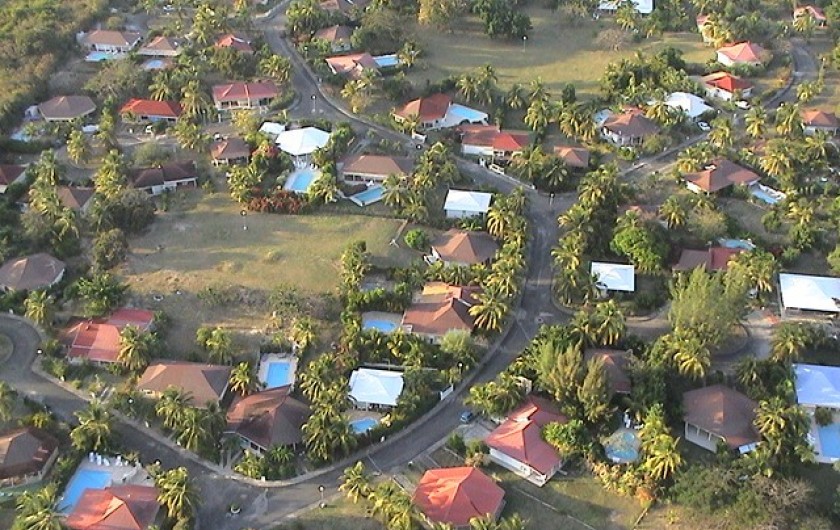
(110,178)
(355,482)
(560,370)
(662,457)
(707,305)
(594,392)
(443,14)
(489,310)
(194,101)
(78,147)
(790,339)
(36,510)
(217,342)
(496,398)
(171,406)
(756,121)
(194,432)
(303,333)
(783,428)
(176,492)
(94,431)
(39,306)
(568,438)
(276,67)
(100,293)
(641,244)
(788,120)
(135,348)
(7,401)
(674,211)
(722,135)
(109,249)
(305,16)
(610,323)
(243,381)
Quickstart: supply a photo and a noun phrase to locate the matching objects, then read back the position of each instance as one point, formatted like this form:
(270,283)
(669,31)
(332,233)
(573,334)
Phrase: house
(353,65)
(690,105)
(165,178)
(617,366)
(240,95)
(203,383)
(26,454)
(118,507)
(160,46)
(460,204)
(374,168)
(702,21)
(717,414)
(370,388)
(238,43)
(151,110)
(272,129)
(643,7)
(815,120)
(742,54)
(456,495)
(344,7)
(37,271)
(719,175)
(628,128)
(517,443)
(439,309)
(98,340)
(230,150)
(111,42)
(814,12)
(491,142)
(462,247)
(303,141)
(711,260)
(77,199)
(725,86)
(338,36)
(817,386)
(10,174)
(574,157)
(267,419)
(438,112)
(66,108)
(802,292)
(614,276)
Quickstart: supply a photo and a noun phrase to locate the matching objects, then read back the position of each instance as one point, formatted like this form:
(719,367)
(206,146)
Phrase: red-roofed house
(240,44)
(440,308)
(123,507)
(814,12)
(376,168)
(267,419)
(352,65)
(430,111)
(239,95)
(716,414)
(517,444)
(26,454)
(9,174)
(743,53)
(628,128)
(490,141)
(231,150)
(338,37)
(150,110)
(711,259)
(457,495)
(814,120)
(576,157)
(160,46)
(718,175)
(726,86)
(98,340)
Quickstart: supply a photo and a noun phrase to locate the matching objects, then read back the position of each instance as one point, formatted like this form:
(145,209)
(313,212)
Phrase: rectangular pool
(300,180)
(83,479)
(829,440)
(369,196)
(279,374)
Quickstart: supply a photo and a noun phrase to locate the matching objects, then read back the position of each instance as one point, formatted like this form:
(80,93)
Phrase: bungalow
(742,54)
(455,496)
(353,65)
(717,414)
(112,42)
(202,383)
(37,271)
(461,204)
(462,247)
(117,507)
(815,120)
(136,110)
(814,12)
(574,157)
(26,454)
(438,112)
(160,46)
(165,178)
(338,36)
(439,309)
(238,43)
(800,292)
(344,7)
(725,86)
(719,175)
(77,199)
(98,340)
(817,386)
(628,128)
(617,366)
(688,104)
(374,168)
(491,142)
(517,443)
(614,276)
(711,260)
(240,95)
(66,108)
(11,174)
(230,150)
(271,418)
(371,388)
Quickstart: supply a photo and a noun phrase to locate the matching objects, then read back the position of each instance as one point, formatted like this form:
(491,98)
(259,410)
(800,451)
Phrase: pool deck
(268,358)
(121,471)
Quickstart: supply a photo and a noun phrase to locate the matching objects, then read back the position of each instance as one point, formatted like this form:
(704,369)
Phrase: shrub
(416,239)
(109,249)
(456,443)
(823,416)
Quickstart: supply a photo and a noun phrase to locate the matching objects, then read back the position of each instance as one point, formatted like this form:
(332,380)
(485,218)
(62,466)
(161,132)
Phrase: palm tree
(171,406)
(78,147)
(48,170)
(788,120)
(36,510)
(770,418)
(490,310)
(242,379)
(663,457)
(468,86)
(396,193)
(790,339)
(176,492)
(276,67)
(690,353)
(110,178)
(516,97)
(756,121)
(610,323)
(161,87)
(355,482)
(135,349)
(194,101)
(538,115)
(722,134)
(94,430)
(303,333)
(39,306)
(7,401)
(674,212)
(220,346)
(193,431)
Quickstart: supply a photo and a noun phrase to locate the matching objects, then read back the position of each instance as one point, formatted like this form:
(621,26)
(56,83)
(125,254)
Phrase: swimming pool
(622,446)
(83,479)
(369,196)
(829,440)
(155,64)
(363,425)
(387,61)
(301,179)
(96,57)
(279,374)
(384,322)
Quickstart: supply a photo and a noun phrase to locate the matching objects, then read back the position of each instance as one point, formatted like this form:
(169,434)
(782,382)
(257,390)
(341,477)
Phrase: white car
(743,104)
(705,127)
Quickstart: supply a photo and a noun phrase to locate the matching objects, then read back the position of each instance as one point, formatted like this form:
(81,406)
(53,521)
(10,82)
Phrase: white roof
(814,293)
(692,105)
(467,201)
(378,387)
(817,385)
(645,7)
(302,141)
(272,128)
(615,276)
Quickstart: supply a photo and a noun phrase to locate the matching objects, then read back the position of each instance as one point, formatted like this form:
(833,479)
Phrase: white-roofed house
(299,142)
(643,7)
(801,292)
(371,388)
(460,204)
(614,276)
(691,105)
(818,386)
(272,129)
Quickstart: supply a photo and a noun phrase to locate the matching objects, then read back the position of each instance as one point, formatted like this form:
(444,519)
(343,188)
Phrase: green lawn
(560,50)
(340,514)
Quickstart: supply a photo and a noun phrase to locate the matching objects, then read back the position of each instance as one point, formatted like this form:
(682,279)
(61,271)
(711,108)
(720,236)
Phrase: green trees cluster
(502,19)
(48,222)
(409,196)
(217,342)
(276,464)
(639,77)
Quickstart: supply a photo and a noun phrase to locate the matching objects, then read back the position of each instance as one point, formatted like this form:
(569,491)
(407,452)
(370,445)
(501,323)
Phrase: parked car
(743,104)
(705,127)
(467,416)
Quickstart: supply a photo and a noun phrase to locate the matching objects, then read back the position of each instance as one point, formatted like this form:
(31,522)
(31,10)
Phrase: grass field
(559,50)
(340,514)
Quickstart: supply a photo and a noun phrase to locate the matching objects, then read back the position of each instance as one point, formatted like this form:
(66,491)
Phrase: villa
(814,12)
(438,112)
(111,42)
(815,120)
(818,386)
(802,294)
(26,454)
(229,151)
(267,419)
(117,507)
(691,106)
(711,260)
(11,174)
(457,495)
(725,86)
(374,168)
(248,96)
(28,273)
(742,54)
(76,198)
(338,36)
(617,366)
(238,43)
(439,309)
(629,128)
(719,175)
(460,204)
(202,383)
(375,389)
(165,178)
(717,414)
(352,66)
(66,108)
(462,247)
(161,46)
(574,157)
(491,142)
(98,340)
(151,110)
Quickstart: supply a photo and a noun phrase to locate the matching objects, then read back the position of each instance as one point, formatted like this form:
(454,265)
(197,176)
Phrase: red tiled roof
(441,308)
(25,451)
(268,418)
(814,11)
(520,436)
(238,90)
(458,494)
(352,64)
(573,156)
(123,507)
(337,33)
(157,176)
(9,173)
(150,107)
(632,124)
(819,118)
(726,81)
(464,246)
(712,259)
(159,44)
(427,109)
(721,174)
(744,52)
(377,165)
(489,136)
(203,382)
(230,40)
(616,364)
(99,339)
(230,148)
(722,411)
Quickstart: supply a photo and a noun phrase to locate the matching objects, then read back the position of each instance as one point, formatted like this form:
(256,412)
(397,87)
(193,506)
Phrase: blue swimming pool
(622,446)
(369,196)
(155,64)
(83,479)
(384,326)
(279,374)
(300,180)
(363,425)
(830,440)
(96,57)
